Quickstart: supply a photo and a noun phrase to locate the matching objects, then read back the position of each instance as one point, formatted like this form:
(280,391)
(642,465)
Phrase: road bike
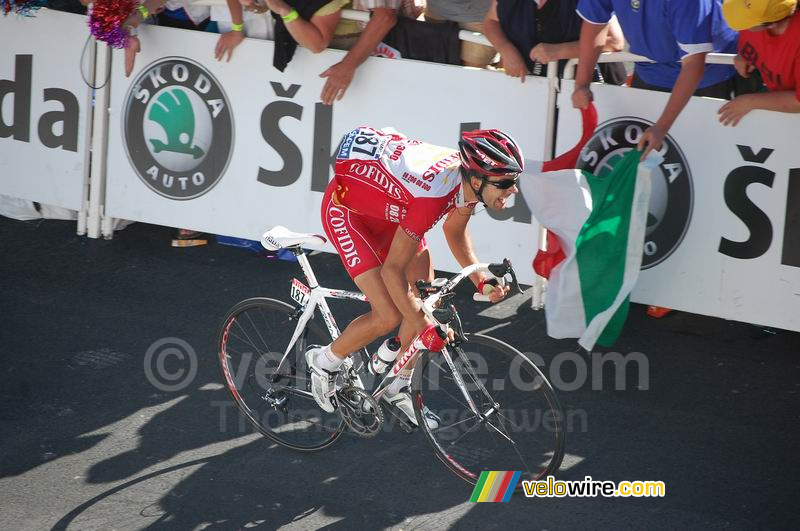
(497,410)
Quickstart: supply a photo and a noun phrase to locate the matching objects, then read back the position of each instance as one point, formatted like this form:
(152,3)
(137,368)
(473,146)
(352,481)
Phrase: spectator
(184,14)
(360,43)
(677,34)
(531,34)
(310,24)
(769,41)
(469,15)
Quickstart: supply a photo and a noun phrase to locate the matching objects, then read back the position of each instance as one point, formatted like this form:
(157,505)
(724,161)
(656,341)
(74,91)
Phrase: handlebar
(496,270)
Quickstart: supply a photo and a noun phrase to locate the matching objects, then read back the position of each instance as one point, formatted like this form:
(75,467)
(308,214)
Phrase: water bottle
(386,354)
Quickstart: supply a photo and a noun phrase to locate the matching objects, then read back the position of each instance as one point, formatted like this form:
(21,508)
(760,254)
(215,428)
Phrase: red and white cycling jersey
(382,174)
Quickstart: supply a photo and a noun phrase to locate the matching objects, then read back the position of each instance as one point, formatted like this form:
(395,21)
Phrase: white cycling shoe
(322,381)
(402,401)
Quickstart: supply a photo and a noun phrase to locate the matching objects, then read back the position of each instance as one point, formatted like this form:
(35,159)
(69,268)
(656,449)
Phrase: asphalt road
(88,442)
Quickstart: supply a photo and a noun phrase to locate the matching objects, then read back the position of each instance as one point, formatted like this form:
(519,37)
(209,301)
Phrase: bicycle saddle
(280,237)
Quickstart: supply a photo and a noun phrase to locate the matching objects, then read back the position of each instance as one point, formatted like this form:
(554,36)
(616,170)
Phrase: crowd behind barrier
(339,78)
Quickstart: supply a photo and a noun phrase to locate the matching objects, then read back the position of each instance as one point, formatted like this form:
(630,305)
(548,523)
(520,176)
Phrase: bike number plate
(300,292)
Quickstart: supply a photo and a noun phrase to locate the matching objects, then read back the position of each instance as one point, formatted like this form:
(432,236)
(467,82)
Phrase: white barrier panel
(44,108)
(235,148)
(723,235)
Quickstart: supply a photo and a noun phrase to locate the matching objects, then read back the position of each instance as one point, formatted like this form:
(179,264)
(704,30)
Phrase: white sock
(402,380)
(327,360)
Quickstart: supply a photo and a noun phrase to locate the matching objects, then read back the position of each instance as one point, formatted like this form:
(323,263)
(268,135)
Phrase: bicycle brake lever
(514,283)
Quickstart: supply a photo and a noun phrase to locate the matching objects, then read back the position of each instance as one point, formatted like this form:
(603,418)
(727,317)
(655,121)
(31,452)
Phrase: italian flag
(596,229)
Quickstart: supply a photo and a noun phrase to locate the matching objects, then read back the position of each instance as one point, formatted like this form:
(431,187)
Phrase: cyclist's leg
(362,244)
(382,318)
(420,268)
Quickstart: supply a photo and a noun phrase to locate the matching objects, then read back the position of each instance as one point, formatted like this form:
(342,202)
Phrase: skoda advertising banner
(45,106)
(723,231)
(236,148)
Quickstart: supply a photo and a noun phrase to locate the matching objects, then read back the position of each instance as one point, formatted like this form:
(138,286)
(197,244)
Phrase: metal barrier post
(539,283)
(99,143)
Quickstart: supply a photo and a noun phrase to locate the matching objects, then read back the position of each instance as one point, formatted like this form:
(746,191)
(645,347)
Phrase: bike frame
(318,299)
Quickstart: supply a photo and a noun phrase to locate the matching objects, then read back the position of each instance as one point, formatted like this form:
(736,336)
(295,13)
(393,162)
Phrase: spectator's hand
(652,139)
(544,53)
(514,65)
(582,97)
(339,77)
(742,67)
(134,47)
(733,111)
(226,43)
(279,7)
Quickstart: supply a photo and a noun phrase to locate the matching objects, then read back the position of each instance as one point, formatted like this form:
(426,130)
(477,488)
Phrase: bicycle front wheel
(276,399)
(497,410)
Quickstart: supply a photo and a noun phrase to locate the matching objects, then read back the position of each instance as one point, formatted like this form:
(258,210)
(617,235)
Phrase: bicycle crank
(360,411)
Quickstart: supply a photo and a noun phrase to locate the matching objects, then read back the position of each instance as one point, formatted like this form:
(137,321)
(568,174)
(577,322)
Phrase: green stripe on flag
(605,234)
(479,487)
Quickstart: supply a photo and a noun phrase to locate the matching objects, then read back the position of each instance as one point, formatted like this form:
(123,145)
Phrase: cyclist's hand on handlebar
(494,291)
(430,334)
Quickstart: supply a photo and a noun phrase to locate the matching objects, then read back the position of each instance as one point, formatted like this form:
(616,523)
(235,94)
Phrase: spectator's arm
(733,111)
(341,74)
(228,42)
(153,6)
(611,35)
(592,41)
(615,40)
(513,63)
(692,69)
(133,20)
(315,34)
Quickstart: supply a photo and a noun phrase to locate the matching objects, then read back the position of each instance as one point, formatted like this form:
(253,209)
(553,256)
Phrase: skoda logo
(671,196)
(178,128)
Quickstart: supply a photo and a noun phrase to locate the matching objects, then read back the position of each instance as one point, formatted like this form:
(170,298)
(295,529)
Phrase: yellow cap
(746,14)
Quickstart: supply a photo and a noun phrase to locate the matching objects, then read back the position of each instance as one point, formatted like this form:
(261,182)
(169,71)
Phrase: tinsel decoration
(24,8)
(106,19)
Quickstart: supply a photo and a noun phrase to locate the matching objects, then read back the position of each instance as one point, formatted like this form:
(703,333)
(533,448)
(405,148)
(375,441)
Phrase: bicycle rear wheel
(277,400)
(519,425)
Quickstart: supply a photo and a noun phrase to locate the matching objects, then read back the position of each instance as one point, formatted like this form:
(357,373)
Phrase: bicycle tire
(468,449)
(246,326)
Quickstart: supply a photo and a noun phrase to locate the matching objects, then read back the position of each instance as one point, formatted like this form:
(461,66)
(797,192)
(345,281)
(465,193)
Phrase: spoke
(450,395)
(513,445)
(248,340)
(466,433)
(440,428)
(257,331)
(495,428)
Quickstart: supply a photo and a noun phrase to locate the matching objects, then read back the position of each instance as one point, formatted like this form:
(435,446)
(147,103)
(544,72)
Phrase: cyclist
(387,192)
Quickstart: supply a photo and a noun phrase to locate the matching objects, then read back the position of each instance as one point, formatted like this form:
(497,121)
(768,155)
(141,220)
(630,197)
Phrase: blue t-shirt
(667,31)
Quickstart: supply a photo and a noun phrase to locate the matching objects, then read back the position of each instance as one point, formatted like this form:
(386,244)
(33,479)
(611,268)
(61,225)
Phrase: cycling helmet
(488,152)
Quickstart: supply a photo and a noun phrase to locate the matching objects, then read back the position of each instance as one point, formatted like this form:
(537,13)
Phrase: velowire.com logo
(178,128)
(671,196)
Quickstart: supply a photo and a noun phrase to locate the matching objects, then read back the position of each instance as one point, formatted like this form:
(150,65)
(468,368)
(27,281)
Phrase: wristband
(237,27)
(491,282)
(143,11)
(292,15)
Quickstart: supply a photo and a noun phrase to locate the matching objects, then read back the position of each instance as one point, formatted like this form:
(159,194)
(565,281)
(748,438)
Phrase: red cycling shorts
(362,242)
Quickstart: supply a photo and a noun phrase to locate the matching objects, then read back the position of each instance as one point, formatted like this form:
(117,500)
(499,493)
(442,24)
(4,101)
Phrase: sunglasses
(502,184)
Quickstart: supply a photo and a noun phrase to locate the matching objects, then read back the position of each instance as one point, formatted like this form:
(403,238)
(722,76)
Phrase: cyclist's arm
(393,273)
(459,240)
